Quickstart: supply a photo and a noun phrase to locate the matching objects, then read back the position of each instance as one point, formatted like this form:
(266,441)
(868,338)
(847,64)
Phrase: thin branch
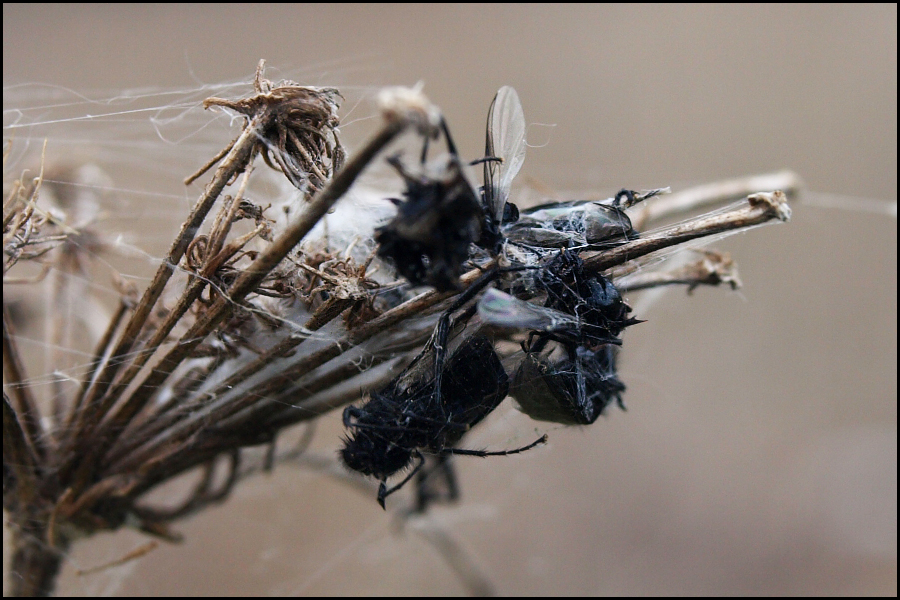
(209,165)
(138,552)
(715,268)
(466,567)
(203,495)
(213,260)
(763,207)
(717,193)
(18,456)
(199,403)
(26,408)
(100,355)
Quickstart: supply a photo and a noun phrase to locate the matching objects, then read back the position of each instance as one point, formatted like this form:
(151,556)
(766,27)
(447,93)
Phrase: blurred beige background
(759,452)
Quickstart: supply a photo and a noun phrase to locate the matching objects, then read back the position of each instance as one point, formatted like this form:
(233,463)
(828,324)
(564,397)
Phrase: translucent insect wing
(505,140)
(500,309)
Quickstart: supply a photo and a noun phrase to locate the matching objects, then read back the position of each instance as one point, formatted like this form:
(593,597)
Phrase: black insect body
(568,374)
(572,390)
(443,214)
(578,224)
(592,298)
(429,238)
(583,315)
(406,419)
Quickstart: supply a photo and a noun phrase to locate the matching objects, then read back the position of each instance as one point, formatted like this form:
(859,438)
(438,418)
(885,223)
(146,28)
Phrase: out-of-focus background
(759,451)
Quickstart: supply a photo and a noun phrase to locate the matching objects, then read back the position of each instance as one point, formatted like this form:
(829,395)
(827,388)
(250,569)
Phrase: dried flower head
(243,332)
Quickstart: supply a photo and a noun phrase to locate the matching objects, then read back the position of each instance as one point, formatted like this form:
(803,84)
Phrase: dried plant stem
(763,207)
(100,356)
(34,564)
(162,424)
(21,217)
(19,452)
(715,268)
(222,224)
(25,405)
(138,552)
(228,407)
(248,280)
(329,392)
(192,292)
(713,194)
(470,573)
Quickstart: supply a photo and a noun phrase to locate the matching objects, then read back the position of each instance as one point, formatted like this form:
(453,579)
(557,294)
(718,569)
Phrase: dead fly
(439,218)
(571,383)
(571,224)
(568,374)
(580,224)
(583,315)
(407,419)
(572,390)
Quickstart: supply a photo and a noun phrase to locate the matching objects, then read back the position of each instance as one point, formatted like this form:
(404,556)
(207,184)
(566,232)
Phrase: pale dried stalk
(25,405)
(714,268)
(762,207)
(714,194)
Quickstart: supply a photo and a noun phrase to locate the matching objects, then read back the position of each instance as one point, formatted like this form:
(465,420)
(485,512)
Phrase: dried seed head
(298,133)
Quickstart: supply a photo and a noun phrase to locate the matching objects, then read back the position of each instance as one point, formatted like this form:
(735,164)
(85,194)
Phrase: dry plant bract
(245,331)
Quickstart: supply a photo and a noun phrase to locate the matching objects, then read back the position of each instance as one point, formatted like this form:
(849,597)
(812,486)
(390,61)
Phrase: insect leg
(451,147)
(483,453)
(486,159)
(383,492)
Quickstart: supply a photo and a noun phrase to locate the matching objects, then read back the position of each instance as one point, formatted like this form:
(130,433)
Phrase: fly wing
(500,309)
(505,140)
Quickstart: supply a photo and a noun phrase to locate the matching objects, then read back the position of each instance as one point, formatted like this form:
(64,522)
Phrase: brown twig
(714,194)
(714,268)
(95,407)
(762,207)
(25,406)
